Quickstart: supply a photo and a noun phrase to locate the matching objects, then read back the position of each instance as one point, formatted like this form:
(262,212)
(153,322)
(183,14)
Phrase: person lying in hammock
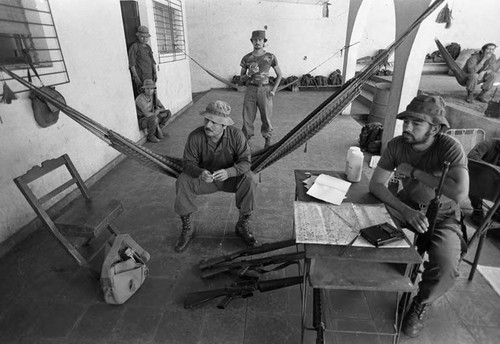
(481,67)
(216,158)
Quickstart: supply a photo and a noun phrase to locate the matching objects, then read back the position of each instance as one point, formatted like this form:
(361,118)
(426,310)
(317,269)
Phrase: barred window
(169,30)
(28,32)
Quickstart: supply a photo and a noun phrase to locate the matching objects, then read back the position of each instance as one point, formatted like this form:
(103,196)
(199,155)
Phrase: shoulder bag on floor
(124,270)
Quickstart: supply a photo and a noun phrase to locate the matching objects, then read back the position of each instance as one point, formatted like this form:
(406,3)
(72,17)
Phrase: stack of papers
(327,188)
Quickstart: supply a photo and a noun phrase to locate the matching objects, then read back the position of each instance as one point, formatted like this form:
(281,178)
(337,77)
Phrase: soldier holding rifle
(417,156)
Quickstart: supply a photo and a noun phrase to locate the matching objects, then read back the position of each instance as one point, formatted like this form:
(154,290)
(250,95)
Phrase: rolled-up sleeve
(191,158)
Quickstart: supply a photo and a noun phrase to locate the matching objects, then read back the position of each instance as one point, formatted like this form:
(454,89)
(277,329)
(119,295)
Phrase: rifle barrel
(432,211)
(279,283)
(199,297)
(210,263)
(252,263)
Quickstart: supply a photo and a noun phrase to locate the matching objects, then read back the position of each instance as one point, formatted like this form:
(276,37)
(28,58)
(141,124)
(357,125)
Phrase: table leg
(304,300)
(318,323)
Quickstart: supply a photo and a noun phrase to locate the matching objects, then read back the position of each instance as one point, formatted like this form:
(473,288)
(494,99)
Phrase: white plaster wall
(174,82)
(93,43)
(219,33)
(219,36)
(474,23)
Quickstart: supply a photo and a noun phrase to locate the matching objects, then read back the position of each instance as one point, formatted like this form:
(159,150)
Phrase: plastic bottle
(348,158)
(355,166)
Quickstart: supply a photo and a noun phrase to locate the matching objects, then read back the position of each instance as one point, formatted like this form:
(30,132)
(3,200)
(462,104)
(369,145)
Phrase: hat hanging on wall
(7,96)
(326,10)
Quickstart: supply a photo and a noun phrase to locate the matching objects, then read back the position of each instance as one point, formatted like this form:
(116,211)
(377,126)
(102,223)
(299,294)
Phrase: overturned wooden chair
(85,227)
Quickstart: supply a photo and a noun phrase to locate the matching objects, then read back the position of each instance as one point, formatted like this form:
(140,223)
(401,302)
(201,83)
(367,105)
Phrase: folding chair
(84,228)
(484,183)
(467,137)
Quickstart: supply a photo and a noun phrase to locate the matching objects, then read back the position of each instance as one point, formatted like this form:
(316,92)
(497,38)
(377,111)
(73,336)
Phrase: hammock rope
(216,76)
(458,72)
(307,128)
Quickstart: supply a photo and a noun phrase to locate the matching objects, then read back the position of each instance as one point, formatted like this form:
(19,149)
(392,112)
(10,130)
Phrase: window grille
(169,30)
(27,27)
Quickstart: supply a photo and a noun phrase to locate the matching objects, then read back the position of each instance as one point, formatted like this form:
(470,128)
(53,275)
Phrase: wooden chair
(85,227)
(484,183)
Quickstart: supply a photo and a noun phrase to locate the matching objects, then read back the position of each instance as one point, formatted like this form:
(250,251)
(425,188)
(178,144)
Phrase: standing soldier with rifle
(418,156)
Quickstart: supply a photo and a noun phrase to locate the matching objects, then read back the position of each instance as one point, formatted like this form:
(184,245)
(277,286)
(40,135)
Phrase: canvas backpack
(370,138)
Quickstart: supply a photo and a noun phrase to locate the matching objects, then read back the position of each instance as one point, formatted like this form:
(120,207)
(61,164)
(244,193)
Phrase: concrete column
(356,22)
(408,60)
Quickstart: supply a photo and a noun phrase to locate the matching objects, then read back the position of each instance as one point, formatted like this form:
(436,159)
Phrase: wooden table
(358,268)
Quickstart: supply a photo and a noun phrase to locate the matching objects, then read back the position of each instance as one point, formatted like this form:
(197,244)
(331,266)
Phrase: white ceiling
(303,2)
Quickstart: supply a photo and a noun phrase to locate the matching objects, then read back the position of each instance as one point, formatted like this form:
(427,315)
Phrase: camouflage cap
(431,109)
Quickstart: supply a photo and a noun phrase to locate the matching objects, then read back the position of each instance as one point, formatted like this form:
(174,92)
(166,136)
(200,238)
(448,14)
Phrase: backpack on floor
(370,138)
(124,269)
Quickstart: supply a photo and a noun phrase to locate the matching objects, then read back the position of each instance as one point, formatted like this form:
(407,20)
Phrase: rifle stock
(239,289)
(210,263)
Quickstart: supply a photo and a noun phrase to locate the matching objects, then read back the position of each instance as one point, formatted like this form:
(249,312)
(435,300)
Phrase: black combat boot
(267,142)
(470,97)
(413,323)
(243,230)
(482,97)
(187,234)
(477,216)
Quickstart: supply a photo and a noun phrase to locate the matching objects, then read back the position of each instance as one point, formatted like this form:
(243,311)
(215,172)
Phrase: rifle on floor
(238,289)
(212,262)
(424,239)
(254,267)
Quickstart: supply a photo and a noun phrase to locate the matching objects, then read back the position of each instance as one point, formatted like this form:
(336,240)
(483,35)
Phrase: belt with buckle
(258,85)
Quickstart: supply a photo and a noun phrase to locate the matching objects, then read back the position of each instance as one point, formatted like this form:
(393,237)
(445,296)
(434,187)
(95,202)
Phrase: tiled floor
(44,298)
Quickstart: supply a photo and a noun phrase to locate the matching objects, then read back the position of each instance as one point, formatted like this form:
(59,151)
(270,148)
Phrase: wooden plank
(371,254)
(88,218)
(351,275)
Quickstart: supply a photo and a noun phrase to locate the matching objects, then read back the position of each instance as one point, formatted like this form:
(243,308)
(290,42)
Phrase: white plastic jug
(355,166)
(348,158)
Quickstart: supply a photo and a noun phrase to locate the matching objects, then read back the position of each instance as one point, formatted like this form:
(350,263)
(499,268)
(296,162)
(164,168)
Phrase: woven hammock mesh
(459,74)
(162,163)
(299,135)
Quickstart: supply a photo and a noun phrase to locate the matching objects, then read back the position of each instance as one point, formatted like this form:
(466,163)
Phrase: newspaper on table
(328,224)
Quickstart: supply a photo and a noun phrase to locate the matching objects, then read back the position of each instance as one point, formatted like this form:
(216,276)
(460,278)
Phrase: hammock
(228,83)
(307,128)
(458,72)
(240,88)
